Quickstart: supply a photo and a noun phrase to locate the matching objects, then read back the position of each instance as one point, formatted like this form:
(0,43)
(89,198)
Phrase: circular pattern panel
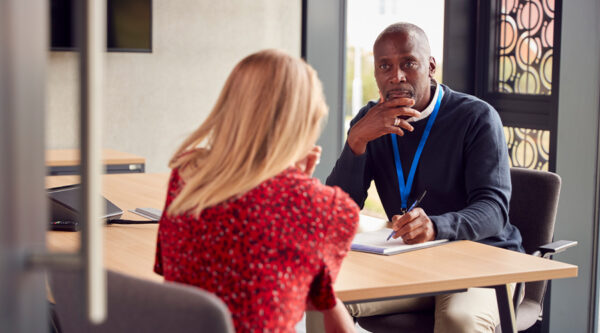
(507,68)
(548,34)
(549,8)
(524,51)
(508,6)
(530,16)
(508,34)
(546,70)
(528,82)
(529,50)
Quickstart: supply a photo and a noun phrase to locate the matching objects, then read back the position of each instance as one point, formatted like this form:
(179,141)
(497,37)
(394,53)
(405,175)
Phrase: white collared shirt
(427,111)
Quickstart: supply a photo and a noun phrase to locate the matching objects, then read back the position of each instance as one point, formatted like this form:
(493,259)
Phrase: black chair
(136,305)
(533,207)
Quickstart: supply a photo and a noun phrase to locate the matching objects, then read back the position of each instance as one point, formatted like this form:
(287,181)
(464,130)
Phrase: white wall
(154,100)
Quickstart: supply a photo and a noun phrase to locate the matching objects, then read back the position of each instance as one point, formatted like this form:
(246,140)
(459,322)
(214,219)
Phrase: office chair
(532,210)
(136,305)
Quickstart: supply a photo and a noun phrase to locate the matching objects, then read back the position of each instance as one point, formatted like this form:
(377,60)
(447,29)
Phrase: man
(423,136)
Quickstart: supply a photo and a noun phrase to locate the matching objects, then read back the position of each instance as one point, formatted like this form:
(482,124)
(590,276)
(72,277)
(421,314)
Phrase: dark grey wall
(460,27)
(326,51)
(573,300)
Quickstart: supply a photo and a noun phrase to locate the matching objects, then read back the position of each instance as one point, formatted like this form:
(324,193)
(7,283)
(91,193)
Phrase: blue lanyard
(405,189)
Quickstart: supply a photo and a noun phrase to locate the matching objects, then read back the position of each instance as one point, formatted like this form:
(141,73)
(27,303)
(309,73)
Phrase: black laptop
(65,208)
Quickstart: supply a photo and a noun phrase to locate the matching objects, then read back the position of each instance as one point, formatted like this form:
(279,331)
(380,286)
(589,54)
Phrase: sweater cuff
(356,162)
(443,227)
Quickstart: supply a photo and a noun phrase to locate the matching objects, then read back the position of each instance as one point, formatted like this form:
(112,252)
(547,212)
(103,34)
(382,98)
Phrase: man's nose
(398,76)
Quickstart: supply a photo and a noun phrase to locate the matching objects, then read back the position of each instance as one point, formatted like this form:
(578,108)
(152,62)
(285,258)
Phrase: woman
(243,218)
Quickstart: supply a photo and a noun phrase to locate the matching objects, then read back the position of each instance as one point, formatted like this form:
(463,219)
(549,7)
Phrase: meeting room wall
(574,302)
(154,100)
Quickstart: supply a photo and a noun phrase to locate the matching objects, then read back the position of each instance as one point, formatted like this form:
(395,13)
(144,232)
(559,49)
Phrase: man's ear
(432,67)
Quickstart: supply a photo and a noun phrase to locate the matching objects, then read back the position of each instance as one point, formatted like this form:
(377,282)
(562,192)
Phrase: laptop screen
(65,204)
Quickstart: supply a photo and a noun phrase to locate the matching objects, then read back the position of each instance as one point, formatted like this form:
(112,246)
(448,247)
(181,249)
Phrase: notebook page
(375,242)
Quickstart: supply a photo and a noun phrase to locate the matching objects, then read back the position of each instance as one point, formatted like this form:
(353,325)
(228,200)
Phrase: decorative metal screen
(524,48)
(528,148)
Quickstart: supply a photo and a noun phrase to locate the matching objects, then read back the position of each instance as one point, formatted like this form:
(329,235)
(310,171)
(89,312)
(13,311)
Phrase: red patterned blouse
(264,253)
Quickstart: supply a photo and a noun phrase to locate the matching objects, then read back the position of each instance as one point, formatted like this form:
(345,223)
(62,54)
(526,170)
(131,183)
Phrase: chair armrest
(555,247)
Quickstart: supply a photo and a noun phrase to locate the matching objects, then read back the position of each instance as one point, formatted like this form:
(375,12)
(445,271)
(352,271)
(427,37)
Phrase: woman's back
(264,252)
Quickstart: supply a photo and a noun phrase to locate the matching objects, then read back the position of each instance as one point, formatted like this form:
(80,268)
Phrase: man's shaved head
(404,66)
(411,30)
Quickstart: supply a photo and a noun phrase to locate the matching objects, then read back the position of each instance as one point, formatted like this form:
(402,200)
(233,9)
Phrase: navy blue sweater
(464,168)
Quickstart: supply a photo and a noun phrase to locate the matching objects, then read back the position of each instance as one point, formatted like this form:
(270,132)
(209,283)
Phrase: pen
(415,204)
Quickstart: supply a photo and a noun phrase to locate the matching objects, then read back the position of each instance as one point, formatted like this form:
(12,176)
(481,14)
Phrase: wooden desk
(128,248)
(452,266)
(363,277)
(66,162)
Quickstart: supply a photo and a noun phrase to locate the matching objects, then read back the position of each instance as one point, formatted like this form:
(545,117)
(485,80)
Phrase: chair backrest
(533,207)
(136,305)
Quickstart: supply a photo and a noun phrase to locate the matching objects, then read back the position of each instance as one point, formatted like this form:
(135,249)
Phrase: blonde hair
(266,118)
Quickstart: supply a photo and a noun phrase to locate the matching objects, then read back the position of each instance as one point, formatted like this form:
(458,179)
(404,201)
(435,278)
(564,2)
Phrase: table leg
(506,309)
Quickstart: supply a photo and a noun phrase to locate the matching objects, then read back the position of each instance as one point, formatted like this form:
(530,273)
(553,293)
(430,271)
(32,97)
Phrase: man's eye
(384,67)
(411,65)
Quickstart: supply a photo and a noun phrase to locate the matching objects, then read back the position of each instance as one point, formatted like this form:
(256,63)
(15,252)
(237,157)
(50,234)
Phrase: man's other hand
(414,227)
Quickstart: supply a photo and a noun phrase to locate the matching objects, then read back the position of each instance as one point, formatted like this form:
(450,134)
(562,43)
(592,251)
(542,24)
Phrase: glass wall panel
(524,47)
(528,148)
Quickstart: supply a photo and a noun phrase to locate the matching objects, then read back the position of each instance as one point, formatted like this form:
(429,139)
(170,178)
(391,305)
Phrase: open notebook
(374,242)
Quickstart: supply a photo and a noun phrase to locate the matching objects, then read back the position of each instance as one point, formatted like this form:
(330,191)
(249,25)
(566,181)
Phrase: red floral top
(264,253)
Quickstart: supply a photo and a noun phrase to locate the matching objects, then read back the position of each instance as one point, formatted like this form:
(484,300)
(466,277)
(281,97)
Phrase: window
(365,20)
(517,79)
(524,47)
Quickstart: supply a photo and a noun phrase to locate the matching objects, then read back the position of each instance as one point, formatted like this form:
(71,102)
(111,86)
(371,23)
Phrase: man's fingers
(415,236)
(396,130)
(416,212)
(410,227)
(398,102)
(402,220)
(403,124)
(396,111)
(414,227)
(409,222)
(404,112)
(398,221)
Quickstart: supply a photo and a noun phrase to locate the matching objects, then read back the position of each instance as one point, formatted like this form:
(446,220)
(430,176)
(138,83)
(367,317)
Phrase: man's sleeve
(351,172)
(488,186)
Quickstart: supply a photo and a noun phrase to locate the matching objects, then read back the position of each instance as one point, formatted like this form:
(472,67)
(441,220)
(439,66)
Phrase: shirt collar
(427,111)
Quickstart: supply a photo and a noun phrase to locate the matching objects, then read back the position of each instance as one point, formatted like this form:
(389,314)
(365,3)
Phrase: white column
(357,89)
